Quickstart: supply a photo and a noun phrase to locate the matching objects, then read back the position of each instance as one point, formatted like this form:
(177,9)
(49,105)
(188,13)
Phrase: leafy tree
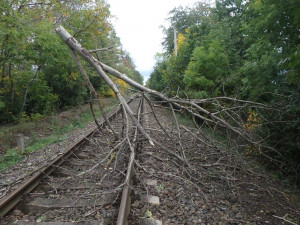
(28,41)
(207,70)
(156,80)
(40,98)
(270,65)
(182,19)
(248,49)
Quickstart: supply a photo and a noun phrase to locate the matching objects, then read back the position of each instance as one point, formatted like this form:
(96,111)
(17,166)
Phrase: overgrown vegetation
(37,74)
(241,49)
(47,130)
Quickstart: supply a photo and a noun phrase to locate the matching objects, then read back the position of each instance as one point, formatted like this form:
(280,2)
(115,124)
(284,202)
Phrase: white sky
(138,23)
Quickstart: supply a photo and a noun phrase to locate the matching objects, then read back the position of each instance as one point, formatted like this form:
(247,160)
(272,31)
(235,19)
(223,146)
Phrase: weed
(41,218)
(10,157)
(41,143)
(159,187)
(36,117)
(148,214)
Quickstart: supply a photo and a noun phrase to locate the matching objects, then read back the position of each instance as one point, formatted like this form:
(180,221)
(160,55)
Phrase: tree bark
(71,42)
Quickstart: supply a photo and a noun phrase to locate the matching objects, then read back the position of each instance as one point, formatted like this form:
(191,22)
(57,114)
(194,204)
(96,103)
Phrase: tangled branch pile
(240,120)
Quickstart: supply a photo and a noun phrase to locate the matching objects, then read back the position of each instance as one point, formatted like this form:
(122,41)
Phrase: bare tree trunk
(71,42)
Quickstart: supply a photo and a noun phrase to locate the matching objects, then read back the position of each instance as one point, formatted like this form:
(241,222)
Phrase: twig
(154,114)
(108,155)
(93,113)
(92,90)
(196,136)
(101,49)
(284,219)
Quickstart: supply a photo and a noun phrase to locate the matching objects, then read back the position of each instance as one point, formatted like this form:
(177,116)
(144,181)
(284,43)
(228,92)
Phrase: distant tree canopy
(37,74)
(238,48)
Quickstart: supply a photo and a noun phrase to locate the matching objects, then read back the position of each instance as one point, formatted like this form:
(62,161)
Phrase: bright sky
(138,23)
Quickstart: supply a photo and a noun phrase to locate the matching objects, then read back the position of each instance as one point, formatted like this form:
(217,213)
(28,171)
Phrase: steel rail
(126,198)
(10,201)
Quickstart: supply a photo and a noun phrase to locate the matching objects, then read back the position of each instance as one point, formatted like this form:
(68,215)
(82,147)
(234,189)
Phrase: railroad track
(91,183)
(88,184)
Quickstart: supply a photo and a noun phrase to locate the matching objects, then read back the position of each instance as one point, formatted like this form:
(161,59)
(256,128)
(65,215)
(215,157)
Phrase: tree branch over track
(72,43)
(92,90)
(221,111)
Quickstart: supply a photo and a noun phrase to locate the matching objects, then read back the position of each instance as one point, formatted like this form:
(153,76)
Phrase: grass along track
(42,131)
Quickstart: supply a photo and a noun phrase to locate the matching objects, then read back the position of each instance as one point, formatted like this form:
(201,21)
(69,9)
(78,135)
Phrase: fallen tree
(228,114)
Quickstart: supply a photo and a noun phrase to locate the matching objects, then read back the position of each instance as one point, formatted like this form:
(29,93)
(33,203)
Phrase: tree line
(245,49)
(37,74)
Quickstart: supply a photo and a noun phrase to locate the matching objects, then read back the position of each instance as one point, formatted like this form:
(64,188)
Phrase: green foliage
(37,74)
(207,68)
(156,81)
(245,49)
(36,117)
(41,99)
(182,19)
(51,129)
(271,65)
(294,64)
(9,158)
(148,214)
(260,67)
(2,104)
